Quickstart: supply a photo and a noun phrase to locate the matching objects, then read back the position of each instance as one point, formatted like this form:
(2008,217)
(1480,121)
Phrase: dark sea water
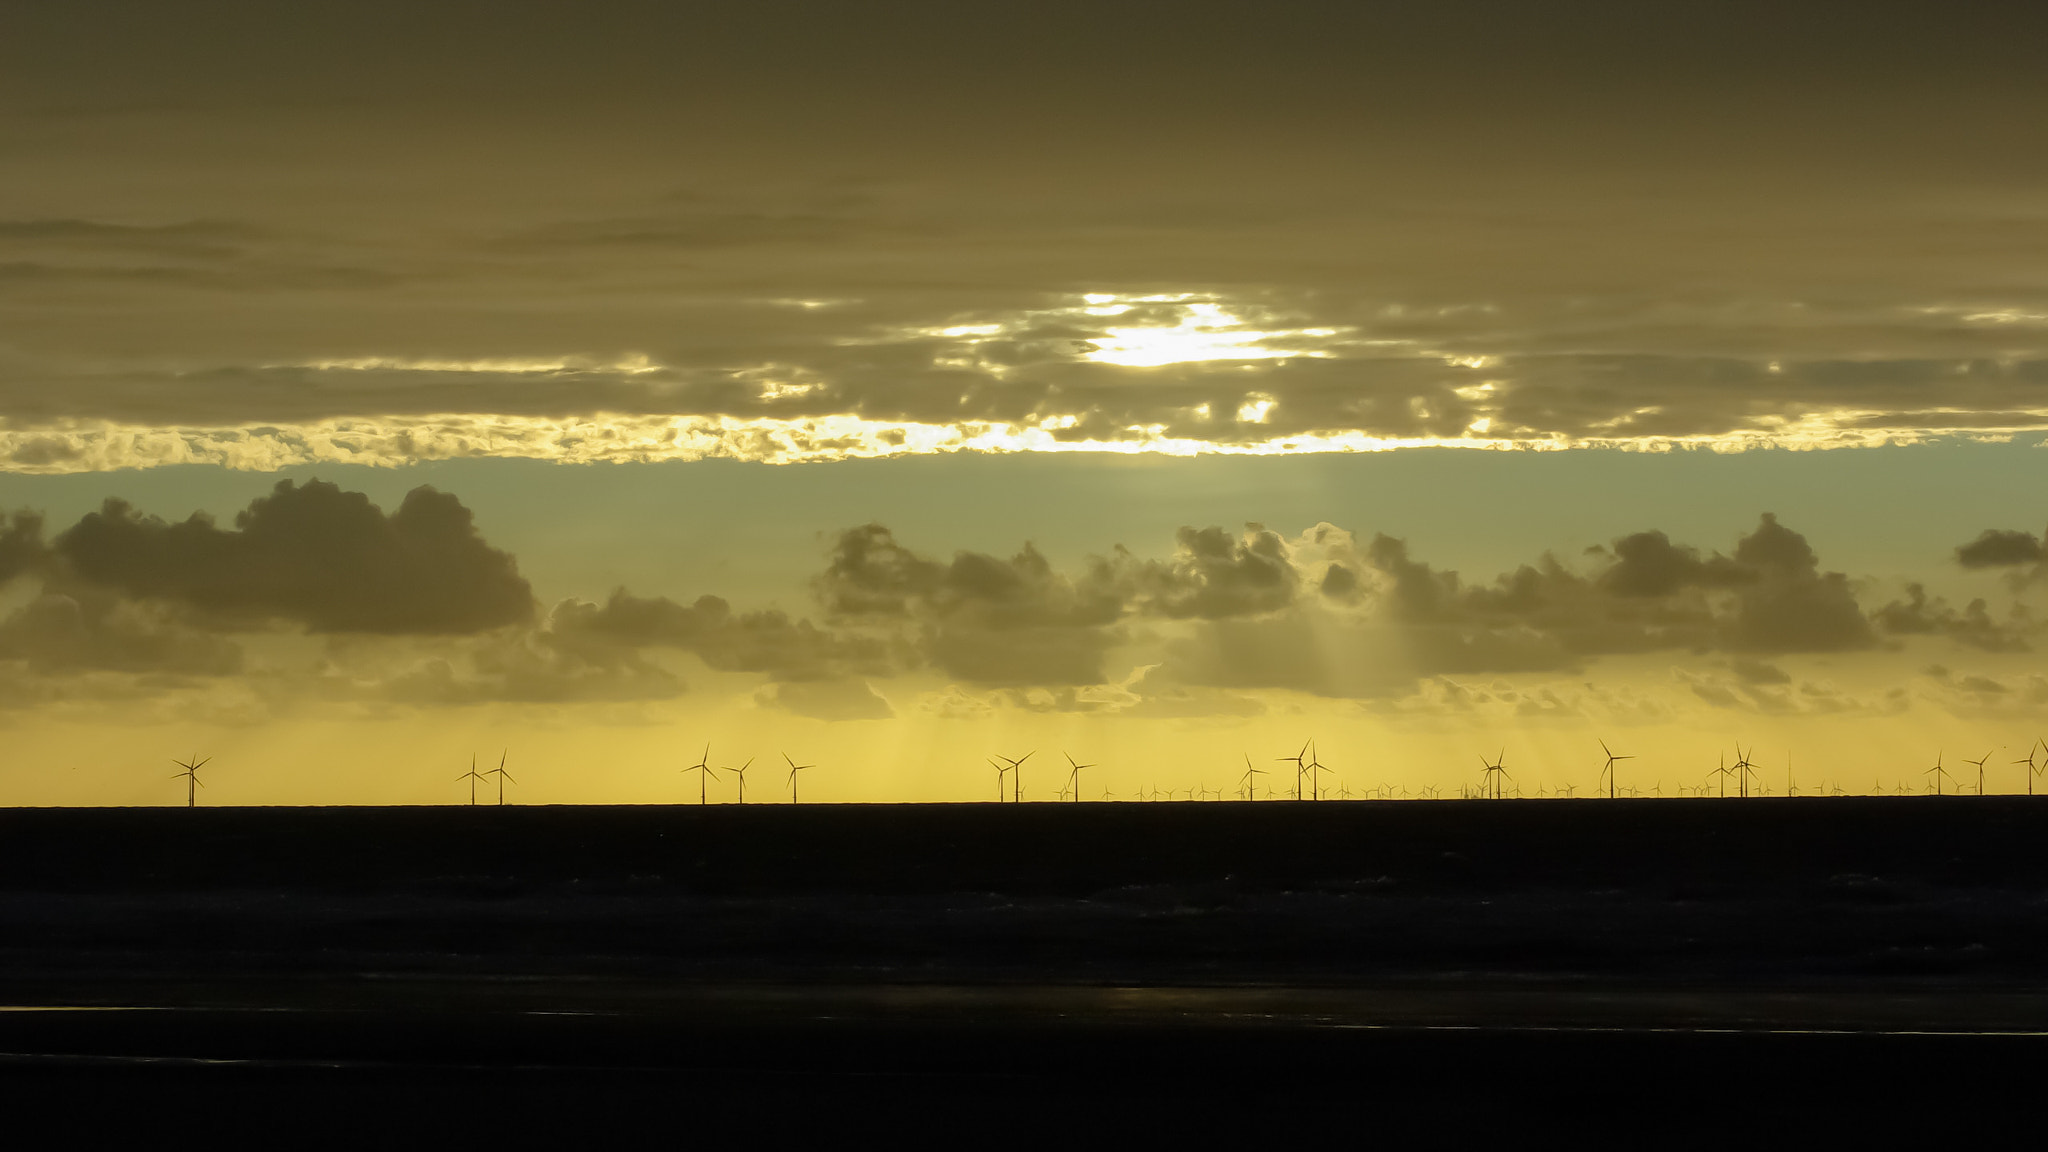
(1137,965)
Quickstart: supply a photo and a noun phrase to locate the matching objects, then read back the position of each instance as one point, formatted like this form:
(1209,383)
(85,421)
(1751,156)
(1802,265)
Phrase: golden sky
(900,386)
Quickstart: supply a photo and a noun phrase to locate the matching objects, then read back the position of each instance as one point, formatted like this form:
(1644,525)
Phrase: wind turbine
(1979,762)
(1074,777)
(741,772)
(2029,762)
(1017,781)
(1315,772)
(1299,759)
(1937,772)
(794,768)
(502,776)
(472,776)
(1494,773)
(703,770)
(1248,786)
(1002,769)
(1744,769)
(192,784)
(1722,771)
(1607,773)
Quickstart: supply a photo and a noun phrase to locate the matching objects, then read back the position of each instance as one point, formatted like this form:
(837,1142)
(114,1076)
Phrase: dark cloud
(765,641)
(1793,606)
(21,544)
(2000,548)
(1920,614)
(1648,564)
(313,554)
(1759,672)
(981,619)
(87,631)
(1214,575)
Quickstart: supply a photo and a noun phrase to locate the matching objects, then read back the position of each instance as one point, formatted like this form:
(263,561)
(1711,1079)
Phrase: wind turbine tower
(1300,762)
(191,776)
(741,772)
(1979,762)
(1938,772)
(1017,781)
(794,768)
(472,776)
(1249,785)
(703,770)
(502,776)
(1607,773)
(1074,777)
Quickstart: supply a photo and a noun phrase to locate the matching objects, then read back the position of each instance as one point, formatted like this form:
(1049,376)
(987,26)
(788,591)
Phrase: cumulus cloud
(980,618)
(21,544)
(1214,575)
(314,555)
(1920,614)
(764,641)
(2000,548)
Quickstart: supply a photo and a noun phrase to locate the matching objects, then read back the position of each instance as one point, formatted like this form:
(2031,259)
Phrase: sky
(1157,387)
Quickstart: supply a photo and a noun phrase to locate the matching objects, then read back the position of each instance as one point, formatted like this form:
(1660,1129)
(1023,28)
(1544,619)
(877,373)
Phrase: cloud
(764,641)
(2000,548)
(21,544)
(826,699)
(94,631)
(314,555)
(1920,614)
(980,619)
(1213,575)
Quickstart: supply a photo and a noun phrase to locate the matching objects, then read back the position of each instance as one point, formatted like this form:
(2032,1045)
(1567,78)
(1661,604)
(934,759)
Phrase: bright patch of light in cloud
(1163,328)
(1204,330)
(632,364)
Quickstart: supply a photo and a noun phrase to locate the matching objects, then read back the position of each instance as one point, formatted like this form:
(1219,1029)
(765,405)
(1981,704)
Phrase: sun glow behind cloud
(1204,330)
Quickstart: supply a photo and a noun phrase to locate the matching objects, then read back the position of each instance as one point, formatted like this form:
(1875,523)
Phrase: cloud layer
(784,239)
(317,593)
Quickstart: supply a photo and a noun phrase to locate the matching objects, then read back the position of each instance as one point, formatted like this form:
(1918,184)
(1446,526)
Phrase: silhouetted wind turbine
(1017,781)
(1001,769)
(1607,773)
(191,777)
(1494,773)
(502,776)
(1979,762)
(1300,762)
(1315,772)
(1722,771)
(2029,762)
(741,772)
(703,770)
(1938,772)
(472,776)
(1744,769)
(1074,777)
(794,768)
(1249,786)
